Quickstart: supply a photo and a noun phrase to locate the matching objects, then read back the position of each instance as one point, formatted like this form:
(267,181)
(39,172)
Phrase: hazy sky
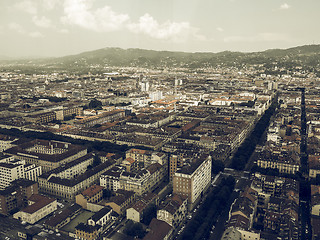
(63,27)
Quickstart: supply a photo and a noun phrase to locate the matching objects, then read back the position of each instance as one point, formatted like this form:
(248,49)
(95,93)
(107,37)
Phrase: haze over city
(63,27)
(159,120)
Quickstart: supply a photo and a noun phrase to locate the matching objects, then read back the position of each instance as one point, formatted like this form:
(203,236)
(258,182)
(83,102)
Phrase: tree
(149,213)
(134,229)
(96,161)
(217,166)
(94,104)
(106,193)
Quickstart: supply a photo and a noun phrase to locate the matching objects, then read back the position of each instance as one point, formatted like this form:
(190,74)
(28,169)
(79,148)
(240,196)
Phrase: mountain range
(307,56)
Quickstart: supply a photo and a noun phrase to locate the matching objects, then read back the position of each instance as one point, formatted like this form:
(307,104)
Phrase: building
(175,162)
(314,165)
(53,184)
(63,217)
(121,201)
(158,230)
(42,117)
(315,200)
(231,234)
(11,169)
(145,158)
(283,162)
(6,142)
(92,194)
(141,181)
(111,178)
(38,207)
(87,232)
(174,210)
(137,211)
(15,196)
(47,154)
(144,180)
(192,180)
(66,112)
(101,218)
(104,117)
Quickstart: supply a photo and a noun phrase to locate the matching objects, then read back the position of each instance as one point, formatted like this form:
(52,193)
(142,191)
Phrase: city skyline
(62,27)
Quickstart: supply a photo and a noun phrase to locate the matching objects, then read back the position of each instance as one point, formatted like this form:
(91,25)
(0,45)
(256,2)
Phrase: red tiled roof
(40,201)
(91,191)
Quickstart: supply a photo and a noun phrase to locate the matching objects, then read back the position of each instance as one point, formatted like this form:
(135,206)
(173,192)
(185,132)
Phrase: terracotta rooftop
(91,191)
(40,201)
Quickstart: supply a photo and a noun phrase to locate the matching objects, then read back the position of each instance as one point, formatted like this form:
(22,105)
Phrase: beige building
(121,201)
(68,188)
(6,142)
(146,157)
(143,181)
(102,217)
(136,212)
(174,210)
(283,166)
(87,232)
(191,181)
(92,194)
(42,117)
(68,112)
(314,165)
(38,207)
(111,178)
(315,200)
(139,182)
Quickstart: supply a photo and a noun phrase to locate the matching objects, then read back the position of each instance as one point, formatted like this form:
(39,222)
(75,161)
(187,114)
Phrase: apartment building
(111,178)
(6,142)
(193,179)
(140,182)
(101,118)
(68,112)
(16,195)
(42,117)
(11,169)
(284,162)
(146,157)
(92,194)
(174,210)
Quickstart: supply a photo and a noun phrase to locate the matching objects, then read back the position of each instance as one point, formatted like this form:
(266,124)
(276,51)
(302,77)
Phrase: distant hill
(304,56)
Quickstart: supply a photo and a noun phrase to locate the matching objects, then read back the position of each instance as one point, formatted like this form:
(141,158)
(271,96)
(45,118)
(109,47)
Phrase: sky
(52,28)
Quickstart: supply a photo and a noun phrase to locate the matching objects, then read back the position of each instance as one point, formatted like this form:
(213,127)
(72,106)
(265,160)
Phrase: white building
(38,207)
(11,169)
(154,96)
(101,217)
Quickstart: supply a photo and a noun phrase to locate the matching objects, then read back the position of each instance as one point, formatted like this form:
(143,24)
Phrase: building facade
(191,181)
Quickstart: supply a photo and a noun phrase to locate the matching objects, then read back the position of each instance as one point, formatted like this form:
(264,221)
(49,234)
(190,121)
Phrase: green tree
(149,213)
(95,104)
(134,229)
(217,166)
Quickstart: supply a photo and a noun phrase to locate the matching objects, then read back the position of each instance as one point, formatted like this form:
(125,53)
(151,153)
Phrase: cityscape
(127,143)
